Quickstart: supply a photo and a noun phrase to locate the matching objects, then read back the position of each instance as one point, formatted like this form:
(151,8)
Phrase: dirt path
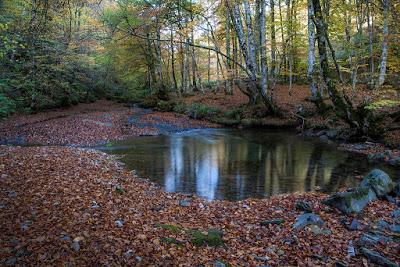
(90,124)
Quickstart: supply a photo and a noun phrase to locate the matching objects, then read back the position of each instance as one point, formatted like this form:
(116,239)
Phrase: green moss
(170,227)
(170,240)
(250,122)
(213,238)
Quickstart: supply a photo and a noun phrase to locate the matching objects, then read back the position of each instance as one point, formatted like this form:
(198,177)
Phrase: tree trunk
(311,52)
(173,62)
(385,32)
(228,81)
(341,104)
(273,41)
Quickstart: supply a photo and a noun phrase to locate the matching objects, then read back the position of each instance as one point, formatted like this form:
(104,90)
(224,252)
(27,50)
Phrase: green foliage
(200,111)
(384,103)
(180,108)
(7,106)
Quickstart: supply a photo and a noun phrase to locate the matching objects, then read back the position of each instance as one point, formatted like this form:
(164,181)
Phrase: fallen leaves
(69,198)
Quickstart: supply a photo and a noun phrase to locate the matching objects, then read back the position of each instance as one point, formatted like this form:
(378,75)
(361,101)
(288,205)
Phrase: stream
(235,164)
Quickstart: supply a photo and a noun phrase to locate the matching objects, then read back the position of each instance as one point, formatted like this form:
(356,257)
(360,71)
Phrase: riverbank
(92,124)
(80,207)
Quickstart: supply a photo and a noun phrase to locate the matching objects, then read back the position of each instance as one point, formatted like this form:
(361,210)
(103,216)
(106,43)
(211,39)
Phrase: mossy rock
(212,238)
(352,201)
(379,182)
(250,122)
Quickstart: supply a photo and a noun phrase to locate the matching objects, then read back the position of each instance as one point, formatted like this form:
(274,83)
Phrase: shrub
(7,106)
(199,111)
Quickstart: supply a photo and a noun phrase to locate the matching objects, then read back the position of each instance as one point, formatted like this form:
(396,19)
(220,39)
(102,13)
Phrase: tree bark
(385,33)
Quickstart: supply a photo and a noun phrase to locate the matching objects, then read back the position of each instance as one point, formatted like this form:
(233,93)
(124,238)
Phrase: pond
(235,164)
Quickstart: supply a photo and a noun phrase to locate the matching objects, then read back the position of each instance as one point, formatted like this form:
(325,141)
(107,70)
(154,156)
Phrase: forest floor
(92,124)
(79,207)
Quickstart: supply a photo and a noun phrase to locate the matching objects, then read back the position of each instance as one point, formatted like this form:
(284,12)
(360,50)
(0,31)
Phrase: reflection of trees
(237,167)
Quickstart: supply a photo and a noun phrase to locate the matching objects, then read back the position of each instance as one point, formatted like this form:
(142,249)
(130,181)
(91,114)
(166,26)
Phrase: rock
(373,238)
(379,182)
(376,157)
(394,161)
(359,146)
(218,263)
(395,228)
(308,219)
(396,189)
(396,215)
(128,253)
(351,252)
(260,258)
(377,258)
(324,138)
(95,205)
(75,246)
(119,223)
(382,225)
(138,258)
(280,252)
(25,225)
(65,237)
(11,261)
(272,222)
(354,225)
(340,264)
(316,230)
(332,134)
(303,206)
(351,201)
(184,203)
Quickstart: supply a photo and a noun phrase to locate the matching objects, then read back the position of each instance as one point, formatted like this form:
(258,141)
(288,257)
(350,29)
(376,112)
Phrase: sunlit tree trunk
(228,81)
(385,33)
(311,52)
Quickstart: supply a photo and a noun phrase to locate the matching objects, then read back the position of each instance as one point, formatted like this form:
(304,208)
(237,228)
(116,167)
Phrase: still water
(237,164)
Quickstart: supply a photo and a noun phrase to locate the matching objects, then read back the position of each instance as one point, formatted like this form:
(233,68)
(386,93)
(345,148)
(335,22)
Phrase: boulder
(377,258)
(308,219)
(351,201)
(379,182)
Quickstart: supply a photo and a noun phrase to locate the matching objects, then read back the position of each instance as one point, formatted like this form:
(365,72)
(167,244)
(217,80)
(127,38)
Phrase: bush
(199,111)
(7,106)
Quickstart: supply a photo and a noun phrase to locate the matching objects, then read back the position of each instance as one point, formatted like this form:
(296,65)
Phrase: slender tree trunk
(273,42)
(228,81)
(173,61)
(385,32)
(371,45)
(311,52)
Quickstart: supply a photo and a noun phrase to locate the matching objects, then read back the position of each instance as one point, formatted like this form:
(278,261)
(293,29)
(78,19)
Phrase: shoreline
(93,202)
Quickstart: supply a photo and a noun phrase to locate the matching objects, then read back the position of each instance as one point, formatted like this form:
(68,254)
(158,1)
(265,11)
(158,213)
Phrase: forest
(200,133)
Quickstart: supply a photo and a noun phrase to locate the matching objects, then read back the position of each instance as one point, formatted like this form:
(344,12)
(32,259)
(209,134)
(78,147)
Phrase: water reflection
(232,164)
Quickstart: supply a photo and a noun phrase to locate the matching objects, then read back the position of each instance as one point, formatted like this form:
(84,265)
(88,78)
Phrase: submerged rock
(308,219)
(379,182)
(352,201)
(377,258)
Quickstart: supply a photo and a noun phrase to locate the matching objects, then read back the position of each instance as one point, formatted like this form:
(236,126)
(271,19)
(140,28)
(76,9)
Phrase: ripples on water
(238,164)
